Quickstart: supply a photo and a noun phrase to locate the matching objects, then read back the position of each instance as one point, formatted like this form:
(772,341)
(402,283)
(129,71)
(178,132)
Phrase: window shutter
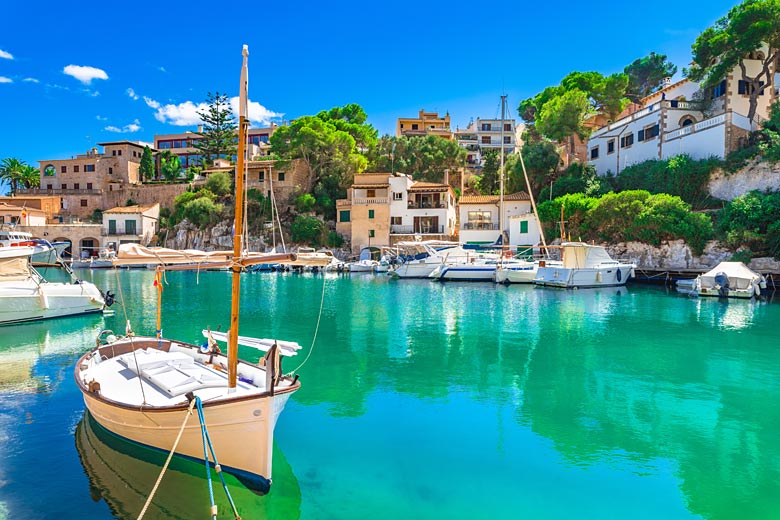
(641,135)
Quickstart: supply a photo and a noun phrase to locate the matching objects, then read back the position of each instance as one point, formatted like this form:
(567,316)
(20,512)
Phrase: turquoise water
(430,400)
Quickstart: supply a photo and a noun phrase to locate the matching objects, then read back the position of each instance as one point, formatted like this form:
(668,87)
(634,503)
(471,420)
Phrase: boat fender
(93,387)
(757,288)
(542,263)
(619,275)
(599,278)
(44,298)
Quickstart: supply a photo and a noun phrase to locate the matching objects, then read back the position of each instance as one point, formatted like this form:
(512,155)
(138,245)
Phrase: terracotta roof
(659,93)
(10,207)
(493,199)
(131,209)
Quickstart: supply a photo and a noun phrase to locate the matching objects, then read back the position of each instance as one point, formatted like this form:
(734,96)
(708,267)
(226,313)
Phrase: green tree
(645,75)
(304,203)
(423,157)
(488,182)
(219,183)
(147,164)
(529,108)
(30,177)
(12,172)
(170,166)
(308,230)
(218,135)
(565,115)
(541,162)
(740,35)
(202,211)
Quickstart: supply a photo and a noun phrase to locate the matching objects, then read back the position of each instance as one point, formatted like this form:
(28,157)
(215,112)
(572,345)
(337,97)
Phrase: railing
(35,191)
(480,226)
(373,200)
(419,229)
(624,121)
(343,202)
(687,130)
(707,123)
(678,133)
(426,205)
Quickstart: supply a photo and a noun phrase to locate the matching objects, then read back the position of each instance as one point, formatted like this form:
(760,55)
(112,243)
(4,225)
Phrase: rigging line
(316,329)
(128,331)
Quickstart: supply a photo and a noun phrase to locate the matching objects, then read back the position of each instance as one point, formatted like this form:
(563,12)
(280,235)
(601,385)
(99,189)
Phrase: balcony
(415,230)
(120,232)
(479,226)
(426,205)
(36,191)
(372,200)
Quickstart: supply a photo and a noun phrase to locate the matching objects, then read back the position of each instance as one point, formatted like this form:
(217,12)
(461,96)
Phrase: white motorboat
(26,296)
(522,272)
(104,260)
(584,265)
(420,259)
(478,267)
(44,251)
(362,266)
(144,388)
(730,280)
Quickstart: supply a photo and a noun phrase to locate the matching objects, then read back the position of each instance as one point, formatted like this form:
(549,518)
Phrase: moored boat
(730,280)
(584,265)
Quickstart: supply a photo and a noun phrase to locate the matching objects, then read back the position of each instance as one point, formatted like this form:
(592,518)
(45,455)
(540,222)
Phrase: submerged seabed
(429,400)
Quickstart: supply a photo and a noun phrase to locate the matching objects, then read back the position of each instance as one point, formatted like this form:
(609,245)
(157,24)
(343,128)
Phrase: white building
(130,224)
(669,124)
(22,216)
(486,134)
(480,222)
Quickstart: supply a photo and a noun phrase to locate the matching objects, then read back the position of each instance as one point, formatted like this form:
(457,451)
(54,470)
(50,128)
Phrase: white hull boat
(363,266)
(584,266)
(415,269)
(730,280)
(26,296)
(522,273)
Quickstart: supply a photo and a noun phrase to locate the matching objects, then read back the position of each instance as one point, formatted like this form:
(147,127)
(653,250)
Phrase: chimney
(200,129)
(667,81)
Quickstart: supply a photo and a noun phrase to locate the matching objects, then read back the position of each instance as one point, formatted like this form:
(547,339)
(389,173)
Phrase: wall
(532,237)
(699,145)
(74,233)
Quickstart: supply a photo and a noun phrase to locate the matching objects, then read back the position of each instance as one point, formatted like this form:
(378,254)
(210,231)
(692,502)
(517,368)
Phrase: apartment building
(487,134)
(426,123)
(382,209)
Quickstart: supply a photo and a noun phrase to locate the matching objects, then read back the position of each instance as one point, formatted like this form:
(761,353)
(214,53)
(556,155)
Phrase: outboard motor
(109,298)
(723,285)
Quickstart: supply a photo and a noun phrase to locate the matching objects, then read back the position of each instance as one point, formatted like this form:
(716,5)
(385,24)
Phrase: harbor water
(427,400)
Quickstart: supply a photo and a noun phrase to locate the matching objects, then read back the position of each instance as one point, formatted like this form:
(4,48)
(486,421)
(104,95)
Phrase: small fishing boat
(584,265)
(26,296)
(730,280)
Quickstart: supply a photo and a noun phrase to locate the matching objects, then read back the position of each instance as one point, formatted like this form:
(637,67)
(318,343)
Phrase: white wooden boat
(730,280)
(140,388)
(584,265)
(26,296)
(362,266)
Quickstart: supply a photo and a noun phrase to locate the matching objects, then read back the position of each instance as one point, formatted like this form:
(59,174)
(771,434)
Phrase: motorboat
(730,280)
(476,267)
(584,265)
(420,259)
(522,272)
(363,266)
(104,260)
(26,296)
(45,252)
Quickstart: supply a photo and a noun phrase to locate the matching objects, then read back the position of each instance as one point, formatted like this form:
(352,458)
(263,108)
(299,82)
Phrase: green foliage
(146,168)
(130,202)
(646,74)
(773,240)
(745,29)
(97,216)
(182,201)
(578,178)
(170,166)
(576,207)
(18,174)
(681,175)
(541,162)
(309,230)
(488,183)
(423,157)
(564,115)
(218,136)
(304,203)
(202,211)
(334,239)
(742,255)
(219,183)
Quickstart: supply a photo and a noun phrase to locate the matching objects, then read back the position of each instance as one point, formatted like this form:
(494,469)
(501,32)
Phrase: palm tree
(30,177)
(11,171)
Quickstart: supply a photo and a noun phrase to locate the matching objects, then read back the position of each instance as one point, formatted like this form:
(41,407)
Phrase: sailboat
(142,388)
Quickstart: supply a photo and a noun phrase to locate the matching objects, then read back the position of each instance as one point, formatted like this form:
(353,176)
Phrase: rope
(316,330)
(129,332)
(165,466)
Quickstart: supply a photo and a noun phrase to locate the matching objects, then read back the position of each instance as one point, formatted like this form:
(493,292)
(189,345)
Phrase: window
(110,170)
(113,152)
(76,186)
(395,221)
(89,185)
(611,146)
(687,121)
(486,127)
(64,186)
(130,227)
(370,194)
(344,215)
(523,226)
(397,195)
(719,90)
(261,176)
(507,127)
(479,216)
(63,169)
(627,141)
(485,139)
(281,176)
(49,186)
(371,213)
(640,136)
(89,167)
(119,152)
(402,125)
(415,126)
(83,203)
(164,145)
(370,233)
(507,139)
(651,132)
(594,153)
(745,88)
(76,168)
(112,227)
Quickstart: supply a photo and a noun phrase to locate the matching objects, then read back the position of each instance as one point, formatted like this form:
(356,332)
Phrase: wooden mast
(238,225)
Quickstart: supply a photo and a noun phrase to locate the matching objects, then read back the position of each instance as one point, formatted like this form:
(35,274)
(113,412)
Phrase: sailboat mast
(501,174)
(238,225)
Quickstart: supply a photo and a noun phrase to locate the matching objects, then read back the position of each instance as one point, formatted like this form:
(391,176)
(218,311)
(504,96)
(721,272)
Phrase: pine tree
(218,135)
(147,164)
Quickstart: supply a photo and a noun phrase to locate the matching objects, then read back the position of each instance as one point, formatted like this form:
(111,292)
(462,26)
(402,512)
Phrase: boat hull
(612,276)
(414,270)
(473,273)
(524,275)
(26,301)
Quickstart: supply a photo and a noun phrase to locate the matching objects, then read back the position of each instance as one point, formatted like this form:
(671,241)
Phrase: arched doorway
(687,121)
(88,247)
(68,251)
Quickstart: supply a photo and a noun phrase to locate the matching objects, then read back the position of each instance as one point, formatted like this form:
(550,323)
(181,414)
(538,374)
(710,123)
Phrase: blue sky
(73,74)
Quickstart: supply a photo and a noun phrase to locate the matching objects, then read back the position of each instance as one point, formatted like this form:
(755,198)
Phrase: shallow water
(429,400)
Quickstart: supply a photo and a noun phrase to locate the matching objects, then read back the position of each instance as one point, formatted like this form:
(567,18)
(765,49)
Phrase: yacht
(584,265)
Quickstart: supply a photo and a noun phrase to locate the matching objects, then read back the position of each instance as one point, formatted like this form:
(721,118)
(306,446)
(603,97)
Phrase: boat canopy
(14,268)
(582,255)
(130,254)
(740,276)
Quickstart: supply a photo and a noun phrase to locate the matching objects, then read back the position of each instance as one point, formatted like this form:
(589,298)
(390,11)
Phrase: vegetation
(488,182)
(147,164)
(18,174)
(304,203)
(309,230)
(199,207)
(425,158)
(646,75)
(170,166)
(218,136)
(541,162)
(741,33)
(752,221)
(578,178)
(219,183)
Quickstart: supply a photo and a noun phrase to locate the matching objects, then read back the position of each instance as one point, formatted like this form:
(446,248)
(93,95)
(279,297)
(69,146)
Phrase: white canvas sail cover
(14,268)
(130,254)
(740,276)
(581,255)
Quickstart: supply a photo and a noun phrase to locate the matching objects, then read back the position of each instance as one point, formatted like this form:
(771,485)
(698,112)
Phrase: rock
(765,264)
(756,175)
(674,254)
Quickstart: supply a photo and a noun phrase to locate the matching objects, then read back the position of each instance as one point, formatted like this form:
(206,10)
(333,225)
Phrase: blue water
(429,400)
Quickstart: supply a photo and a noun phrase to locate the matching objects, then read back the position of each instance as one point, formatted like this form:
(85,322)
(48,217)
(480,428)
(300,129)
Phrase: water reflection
(122,474)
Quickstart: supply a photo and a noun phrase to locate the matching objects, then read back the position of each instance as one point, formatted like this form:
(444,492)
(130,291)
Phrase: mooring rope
(168,460)
(316,329)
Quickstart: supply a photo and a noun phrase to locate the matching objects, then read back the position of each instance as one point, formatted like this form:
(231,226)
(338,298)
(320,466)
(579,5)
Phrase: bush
(202,211)
(576,207)
(304,203)
(219,183)
(305,229)
(334,239)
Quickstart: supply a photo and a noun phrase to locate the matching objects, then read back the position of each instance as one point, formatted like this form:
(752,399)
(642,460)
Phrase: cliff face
(217,238)
(676,254)
(756,175)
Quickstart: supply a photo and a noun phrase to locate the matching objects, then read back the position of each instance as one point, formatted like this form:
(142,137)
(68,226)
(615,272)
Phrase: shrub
(202,211)
(308,230)
(304,203)
(219,183)
(773,240)
(576,207)
(334,239)
(742,255)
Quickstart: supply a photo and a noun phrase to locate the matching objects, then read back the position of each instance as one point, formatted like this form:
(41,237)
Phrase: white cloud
(3,79)
(31,80)
(127,129)
(85,74)
(132,94)
(258,114)
(186,113)
(6,55)
(161,69)
(101,118)
(151,103)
